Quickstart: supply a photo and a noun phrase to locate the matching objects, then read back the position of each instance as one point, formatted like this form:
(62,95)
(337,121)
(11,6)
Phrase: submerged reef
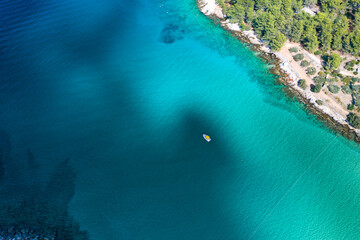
(36,209)
(171,33)
(22,234)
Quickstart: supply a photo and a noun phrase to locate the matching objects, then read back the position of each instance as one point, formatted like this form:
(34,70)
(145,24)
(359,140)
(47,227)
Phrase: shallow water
(125,90)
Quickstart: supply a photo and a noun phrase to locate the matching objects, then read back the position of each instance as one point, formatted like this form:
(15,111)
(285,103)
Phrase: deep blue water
(124,90)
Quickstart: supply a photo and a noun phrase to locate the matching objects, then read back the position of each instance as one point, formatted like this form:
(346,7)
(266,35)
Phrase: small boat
(206,137)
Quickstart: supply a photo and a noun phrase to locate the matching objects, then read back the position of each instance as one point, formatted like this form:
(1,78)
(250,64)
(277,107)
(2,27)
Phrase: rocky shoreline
(329,118)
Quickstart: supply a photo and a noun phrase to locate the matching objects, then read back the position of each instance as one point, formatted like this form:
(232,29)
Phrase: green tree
(261,4)
(264,25)
(250,16)
(286,8)
(278,41)
(340,28)
(310,41)
(325,35)
(332,61)
(236,13)
(346,43)
(355,41)
(356,21)
(297,31)
(354,4)
(331,5)
(297,5)
(310,3)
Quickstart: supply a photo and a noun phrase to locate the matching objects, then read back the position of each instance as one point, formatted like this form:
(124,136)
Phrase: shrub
(354,120)
(317,52)
(322,74)
(293,50)
(304,63)
(356,95)
(302,84)
(346,89)
(355,88)
(346,80)
(319,102)
(311,70)
(350,107)
(316,88)
(298,57)
(334,73)
(350,64)
(355,79)
(333,88)
(357,102)
(355,73)
(357,62)
(331,80)
(319,80)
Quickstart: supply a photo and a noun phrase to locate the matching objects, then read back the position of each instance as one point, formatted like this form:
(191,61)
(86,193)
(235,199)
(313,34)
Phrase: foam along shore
(321,103)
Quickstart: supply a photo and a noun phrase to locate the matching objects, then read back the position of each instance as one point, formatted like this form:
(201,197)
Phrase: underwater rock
(171,33)
(23,233)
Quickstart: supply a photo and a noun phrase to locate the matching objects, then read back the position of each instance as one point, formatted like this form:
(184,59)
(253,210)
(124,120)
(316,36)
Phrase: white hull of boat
(206,137)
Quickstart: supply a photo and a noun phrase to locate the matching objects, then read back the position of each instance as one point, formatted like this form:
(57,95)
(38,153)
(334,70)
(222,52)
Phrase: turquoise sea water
(125,90)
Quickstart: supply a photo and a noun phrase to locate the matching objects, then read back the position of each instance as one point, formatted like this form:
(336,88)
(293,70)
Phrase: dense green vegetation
(335,27)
